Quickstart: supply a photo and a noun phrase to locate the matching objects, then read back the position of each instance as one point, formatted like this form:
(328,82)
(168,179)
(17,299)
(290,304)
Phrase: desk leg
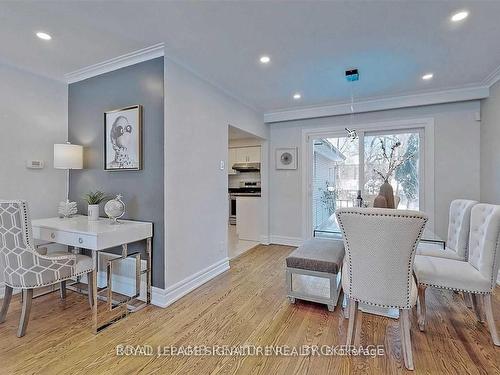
(148,274)
(95,263)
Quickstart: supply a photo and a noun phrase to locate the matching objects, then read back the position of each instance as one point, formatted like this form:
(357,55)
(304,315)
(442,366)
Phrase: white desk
(98,236)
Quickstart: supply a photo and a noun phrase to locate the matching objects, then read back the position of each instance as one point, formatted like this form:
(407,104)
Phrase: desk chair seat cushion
(450,274)
(436,250)
(83,263)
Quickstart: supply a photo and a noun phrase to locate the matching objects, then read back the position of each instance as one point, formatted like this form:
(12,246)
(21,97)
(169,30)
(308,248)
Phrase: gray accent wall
(143,191)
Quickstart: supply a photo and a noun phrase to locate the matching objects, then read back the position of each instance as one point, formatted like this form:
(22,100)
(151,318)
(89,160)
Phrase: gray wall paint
(143,191)
(490,151)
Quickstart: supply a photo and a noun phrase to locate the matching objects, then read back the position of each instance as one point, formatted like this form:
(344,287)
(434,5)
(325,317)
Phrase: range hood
(246,167)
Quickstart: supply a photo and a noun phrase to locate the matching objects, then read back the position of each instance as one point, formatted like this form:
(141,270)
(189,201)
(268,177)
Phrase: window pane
(405,178)
(335,176)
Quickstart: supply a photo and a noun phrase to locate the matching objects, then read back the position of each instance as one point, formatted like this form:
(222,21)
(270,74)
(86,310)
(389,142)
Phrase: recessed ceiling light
(297,96)
(427,76)
(459,16)
(265,59)
(43,35)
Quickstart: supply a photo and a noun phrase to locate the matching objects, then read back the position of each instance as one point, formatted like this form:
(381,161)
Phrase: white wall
(490,146)
(33,116)
(196,139)
(456,161)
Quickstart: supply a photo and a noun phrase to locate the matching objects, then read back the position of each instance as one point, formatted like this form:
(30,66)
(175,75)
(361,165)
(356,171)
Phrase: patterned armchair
(27,269)
(380,246)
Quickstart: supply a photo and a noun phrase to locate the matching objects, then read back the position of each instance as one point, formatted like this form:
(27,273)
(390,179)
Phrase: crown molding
(493,78)
(115,63)
(380,104)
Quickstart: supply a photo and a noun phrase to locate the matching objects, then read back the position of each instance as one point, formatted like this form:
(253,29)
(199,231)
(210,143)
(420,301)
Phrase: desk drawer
(67,238)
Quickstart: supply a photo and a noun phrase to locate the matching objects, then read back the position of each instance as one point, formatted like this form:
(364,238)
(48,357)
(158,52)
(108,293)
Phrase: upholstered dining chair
(458,233)
(477,275)
(380,246)
(27,269)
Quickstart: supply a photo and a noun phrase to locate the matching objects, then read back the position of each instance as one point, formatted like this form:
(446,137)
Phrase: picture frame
(286,158)
(123,139)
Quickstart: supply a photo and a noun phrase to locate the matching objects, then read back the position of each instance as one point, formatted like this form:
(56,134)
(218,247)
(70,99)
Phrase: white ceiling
(310,43)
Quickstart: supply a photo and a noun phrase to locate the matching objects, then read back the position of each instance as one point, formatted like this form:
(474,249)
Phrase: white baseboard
(264,240)
(498,278)
(165,297)
(284,240)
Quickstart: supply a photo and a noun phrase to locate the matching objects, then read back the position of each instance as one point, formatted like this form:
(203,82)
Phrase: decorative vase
(380,202)
(93,212)
(387,192)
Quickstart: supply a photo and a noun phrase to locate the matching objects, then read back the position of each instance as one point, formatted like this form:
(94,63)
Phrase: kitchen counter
(248,217)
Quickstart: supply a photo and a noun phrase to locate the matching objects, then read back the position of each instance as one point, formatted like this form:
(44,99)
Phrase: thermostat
(34,164)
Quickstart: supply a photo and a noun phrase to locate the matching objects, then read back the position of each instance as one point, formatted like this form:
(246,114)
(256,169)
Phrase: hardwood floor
(245,305)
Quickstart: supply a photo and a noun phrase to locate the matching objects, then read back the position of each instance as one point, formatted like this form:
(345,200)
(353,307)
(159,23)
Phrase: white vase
(93,212)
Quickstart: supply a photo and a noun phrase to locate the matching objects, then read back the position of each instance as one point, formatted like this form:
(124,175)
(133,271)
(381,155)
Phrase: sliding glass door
(342,166)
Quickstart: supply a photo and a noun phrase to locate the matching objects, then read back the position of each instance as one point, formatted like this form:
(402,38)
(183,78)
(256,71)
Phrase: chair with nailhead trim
(477,275)
(380,246)
(458,233)
(27,269)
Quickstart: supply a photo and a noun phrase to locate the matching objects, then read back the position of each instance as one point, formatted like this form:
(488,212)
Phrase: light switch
(222,165)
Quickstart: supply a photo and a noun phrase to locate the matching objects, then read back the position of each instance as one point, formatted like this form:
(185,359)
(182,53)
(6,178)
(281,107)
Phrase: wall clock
(286,158)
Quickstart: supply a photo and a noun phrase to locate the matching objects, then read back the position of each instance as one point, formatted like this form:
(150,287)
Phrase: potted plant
(93,200)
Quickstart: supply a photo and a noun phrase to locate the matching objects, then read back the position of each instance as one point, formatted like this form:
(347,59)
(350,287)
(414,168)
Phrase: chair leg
(345,311)
(404,322)
(6,302)
(489,318)
(421,307)
(477,304)
(90,288)
(62,290)
(25,313)
(353,315)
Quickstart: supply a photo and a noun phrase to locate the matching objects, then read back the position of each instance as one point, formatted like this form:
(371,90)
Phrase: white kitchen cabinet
(253,154)
(248,154)
(232,158)
(248,218)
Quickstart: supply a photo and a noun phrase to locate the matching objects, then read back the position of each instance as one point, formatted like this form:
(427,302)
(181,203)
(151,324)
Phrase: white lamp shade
(68,156)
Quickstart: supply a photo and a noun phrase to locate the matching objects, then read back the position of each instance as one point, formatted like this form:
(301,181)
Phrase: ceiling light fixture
(265,59)
(427,76)
(43,35)
(459,16)
(297,96)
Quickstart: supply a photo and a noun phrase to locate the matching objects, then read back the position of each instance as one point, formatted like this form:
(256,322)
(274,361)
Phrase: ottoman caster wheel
(291,299)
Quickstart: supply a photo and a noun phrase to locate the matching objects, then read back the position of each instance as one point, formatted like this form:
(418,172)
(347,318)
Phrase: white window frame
(426,148)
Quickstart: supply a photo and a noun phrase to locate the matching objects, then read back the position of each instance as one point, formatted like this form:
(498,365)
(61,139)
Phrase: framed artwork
(123,139)
(286,158)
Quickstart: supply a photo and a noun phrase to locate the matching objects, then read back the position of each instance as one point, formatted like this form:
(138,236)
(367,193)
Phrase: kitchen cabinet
(231,160)
(248,218)
(248,154)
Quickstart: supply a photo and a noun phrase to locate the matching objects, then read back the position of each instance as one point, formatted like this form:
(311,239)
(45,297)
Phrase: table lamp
(68,156)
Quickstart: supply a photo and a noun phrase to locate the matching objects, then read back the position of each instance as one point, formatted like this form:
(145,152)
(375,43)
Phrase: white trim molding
(379,104)
(116,63)
(492,78)
(285,240)
(165,297)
